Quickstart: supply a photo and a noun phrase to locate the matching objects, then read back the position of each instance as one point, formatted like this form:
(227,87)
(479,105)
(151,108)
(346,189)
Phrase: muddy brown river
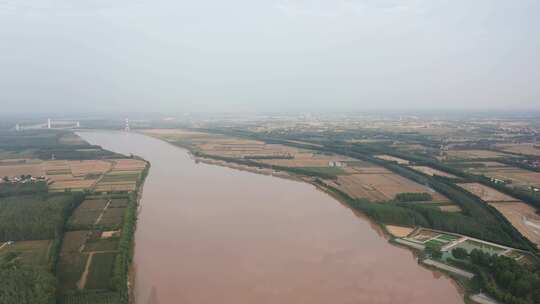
(208,234)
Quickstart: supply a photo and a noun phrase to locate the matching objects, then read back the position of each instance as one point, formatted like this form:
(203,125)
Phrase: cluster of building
(535,164)
(336,164)
(22,179)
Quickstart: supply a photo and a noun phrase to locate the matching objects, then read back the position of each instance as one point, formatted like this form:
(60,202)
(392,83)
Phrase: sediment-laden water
(210,234)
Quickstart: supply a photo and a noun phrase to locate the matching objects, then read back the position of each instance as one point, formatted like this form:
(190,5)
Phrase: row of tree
(11,189)
(24,285)
(35,217)
(502,277)
(413,197)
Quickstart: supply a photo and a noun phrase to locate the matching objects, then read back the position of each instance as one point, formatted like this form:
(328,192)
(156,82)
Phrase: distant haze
(162,55)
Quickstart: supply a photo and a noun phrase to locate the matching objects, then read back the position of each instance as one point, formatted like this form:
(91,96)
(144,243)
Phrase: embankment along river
(208,234)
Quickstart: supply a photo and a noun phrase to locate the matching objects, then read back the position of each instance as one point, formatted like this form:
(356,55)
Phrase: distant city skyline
(242,56)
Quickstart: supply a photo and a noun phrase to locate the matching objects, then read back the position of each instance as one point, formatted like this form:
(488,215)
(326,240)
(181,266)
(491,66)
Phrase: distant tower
(17,127)
(126,128)
(49,123)
(78,124)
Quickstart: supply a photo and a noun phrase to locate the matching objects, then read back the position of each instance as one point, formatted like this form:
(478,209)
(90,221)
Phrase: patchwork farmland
(516,177)
(103,175)
(532,149)
(523,217)
(473,154)
(358,179)
(91,247)
(380,185)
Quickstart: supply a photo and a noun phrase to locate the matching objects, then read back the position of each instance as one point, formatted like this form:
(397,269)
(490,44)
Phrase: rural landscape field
(68,219)
(478,203)
(69,207)
(282,151)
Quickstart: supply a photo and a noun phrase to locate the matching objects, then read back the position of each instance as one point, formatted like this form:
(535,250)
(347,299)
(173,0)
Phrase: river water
(210,234)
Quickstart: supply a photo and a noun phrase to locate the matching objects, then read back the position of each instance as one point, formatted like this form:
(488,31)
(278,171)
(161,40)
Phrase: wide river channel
(208,234)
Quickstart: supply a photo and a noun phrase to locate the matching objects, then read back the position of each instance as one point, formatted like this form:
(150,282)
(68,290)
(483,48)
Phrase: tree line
(35,217)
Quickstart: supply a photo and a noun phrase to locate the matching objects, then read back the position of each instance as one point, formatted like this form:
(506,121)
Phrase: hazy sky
(250,55)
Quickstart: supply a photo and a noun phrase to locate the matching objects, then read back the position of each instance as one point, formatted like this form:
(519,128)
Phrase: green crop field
(359,163)
(119,203)
(113,217)
(70,269)
(109,244)
(324,170)
(73,241)
(83,218)
(99,276)
(93,204)
(120,177)
(436,242)
(447,237)
(31,253)
(92,298)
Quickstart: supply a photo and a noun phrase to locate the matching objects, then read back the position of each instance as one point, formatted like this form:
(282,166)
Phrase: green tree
(459,253)
(433,250)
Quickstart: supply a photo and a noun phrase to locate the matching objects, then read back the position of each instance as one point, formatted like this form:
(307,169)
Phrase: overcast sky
(273,55)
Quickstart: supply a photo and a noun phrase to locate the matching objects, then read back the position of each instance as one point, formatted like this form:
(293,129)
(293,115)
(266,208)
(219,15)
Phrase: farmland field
(72,262)
(399,231)
(78,175)
(92,298)
(473,154)
(119,203)
(116,186)
(69,270)
(307,161)
(74,185)
(116,176)
(359,163)
(93,204)
(423,235)
(100,273)
(273,154)
(99,244)
(73,242)
(523,217)
(380,187)
(517,176)
(369,170)
(523,148)
(486,193)
(112,217)
(20,169)
(430,171)
(393,158)
(128,165)
(324,170)
(32,253)
(84,218)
